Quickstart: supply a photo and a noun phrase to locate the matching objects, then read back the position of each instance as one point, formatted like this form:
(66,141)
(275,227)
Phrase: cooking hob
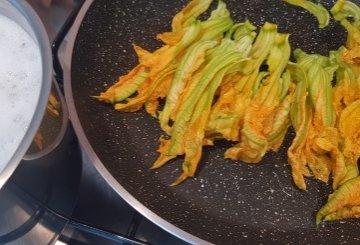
(60,198)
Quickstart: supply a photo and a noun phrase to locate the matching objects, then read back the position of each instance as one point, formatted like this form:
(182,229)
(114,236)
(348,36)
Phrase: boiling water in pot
(20,83)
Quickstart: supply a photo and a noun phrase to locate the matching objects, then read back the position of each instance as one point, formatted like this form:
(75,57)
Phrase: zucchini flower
(266,112)
(195,132)
(348,14)
(346,93)
(349,128)
(347,88)
(227,115)
(190,99)
(154,75)
(152,66)
(344,203)
(317,137)
(211,29)
(190,121)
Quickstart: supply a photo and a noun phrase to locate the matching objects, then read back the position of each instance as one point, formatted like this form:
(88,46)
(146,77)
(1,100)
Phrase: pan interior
(227,199)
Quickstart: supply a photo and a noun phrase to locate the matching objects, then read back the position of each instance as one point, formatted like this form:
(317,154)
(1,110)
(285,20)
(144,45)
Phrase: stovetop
(99,215)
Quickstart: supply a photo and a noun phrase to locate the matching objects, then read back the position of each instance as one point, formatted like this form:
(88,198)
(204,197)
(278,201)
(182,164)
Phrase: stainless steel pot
(22,13)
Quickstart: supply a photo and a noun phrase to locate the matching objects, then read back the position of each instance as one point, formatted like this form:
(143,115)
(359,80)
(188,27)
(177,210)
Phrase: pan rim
(86,146)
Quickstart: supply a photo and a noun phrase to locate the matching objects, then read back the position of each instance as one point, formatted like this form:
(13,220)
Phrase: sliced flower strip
(157,61)
(125,86)
(321,14)
(150,67)
(192,60)
(156,89)
(301,117)
(217,24)
(195,133)
(191,11)
(348,14)
(281,121)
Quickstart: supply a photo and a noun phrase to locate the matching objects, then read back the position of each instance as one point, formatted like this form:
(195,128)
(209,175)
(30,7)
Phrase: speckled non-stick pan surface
(228,202)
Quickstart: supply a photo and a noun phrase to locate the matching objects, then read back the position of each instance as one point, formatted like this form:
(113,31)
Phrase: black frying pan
(228,202)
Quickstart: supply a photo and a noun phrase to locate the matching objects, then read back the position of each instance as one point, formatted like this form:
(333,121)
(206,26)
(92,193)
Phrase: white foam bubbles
(20,83)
